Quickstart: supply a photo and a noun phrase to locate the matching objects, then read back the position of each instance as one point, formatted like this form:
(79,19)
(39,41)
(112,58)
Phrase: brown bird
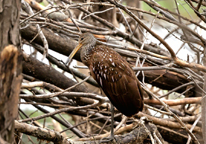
(113,73)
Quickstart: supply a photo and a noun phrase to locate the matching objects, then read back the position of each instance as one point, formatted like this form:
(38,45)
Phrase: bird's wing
(118,81)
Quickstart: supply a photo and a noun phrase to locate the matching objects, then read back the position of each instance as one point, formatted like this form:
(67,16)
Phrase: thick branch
(41,71)
(56,42)
(41,133)
(10,84)
(172,136)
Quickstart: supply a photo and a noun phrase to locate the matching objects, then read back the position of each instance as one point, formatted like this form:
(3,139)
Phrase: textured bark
(9,96)
(177,136)
(165,79)
(172,136)
(41,133)
(9,22)
(57,43)
(41,71)
(10,67)
(139,135)
(203,105)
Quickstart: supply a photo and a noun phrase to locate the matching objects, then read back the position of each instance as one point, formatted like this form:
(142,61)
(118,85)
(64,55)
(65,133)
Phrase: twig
(46,45)
(175,116)
(194,124)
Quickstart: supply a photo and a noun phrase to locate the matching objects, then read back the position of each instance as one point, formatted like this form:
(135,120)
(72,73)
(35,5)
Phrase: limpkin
(113,73)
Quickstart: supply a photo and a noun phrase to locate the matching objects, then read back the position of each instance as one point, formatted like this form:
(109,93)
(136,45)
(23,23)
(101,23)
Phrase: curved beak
(73,53)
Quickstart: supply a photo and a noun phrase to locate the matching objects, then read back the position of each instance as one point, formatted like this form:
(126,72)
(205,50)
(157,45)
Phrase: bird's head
(87,41)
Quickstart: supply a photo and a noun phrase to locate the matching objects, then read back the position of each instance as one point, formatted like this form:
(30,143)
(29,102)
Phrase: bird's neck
(86,53)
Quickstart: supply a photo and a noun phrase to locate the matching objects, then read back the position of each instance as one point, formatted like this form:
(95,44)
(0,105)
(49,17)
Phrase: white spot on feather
(100,80)
(112,78)
(105,76)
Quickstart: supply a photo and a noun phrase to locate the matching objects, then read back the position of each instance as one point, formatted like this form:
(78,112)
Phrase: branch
(195,100)
(41,133)
(167,123)
(56,42)
(173,55)
(10,85)
(41,71)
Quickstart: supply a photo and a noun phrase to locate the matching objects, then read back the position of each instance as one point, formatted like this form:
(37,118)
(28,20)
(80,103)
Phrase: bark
(177,136)
(41,133)
(10,67)
(9,22)
(60,44)
(203,105)
(139,135)
(165,79)
(10,87)
(172,136)
(41,71)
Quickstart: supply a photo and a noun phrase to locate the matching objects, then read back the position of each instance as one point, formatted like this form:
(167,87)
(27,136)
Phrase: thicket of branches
(56,27)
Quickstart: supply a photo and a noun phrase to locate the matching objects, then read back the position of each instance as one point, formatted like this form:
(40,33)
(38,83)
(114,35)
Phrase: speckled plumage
(113,74)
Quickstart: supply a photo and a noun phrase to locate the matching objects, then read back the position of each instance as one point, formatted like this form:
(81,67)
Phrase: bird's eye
(81,39)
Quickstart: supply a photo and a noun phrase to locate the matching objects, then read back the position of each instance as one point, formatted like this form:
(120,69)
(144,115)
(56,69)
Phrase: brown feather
(117,80)
(113,74)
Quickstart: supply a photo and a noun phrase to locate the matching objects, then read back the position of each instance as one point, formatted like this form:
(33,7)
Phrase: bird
(113,74)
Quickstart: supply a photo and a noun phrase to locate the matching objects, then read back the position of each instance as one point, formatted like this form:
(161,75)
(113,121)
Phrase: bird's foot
(107,139)
(136,123)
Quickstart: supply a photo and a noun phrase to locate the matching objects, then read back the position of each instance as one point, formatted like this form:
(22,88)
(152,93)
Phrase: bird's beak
(73,53)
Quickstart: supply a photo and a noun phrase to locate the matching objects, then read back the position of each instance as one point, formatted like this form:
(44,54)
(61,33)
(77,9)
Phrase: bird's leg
(112,121)
(144,120)
(136,124)
(141,121)
(111,137)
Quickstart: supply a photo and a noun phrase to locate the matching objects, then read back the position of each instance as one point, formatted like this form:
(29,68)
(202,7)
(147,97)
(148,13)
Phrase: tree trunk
(10,67)
(203,104)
